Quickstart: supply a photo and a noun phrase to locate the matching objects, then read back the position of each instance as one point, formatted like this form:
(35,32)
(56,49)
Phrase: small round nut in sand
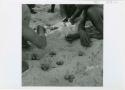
(70,78)
(45,67)
(35,57)
(66,77)
(80,53)
(60,62)
(52,53)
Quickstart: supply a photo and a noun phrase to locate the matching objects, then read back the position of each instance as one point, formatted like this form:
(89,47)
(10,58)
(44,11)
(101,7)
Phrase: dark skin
(95,15)
(79,10)
(68,10)
(31,6)
(52,8)
(29,34)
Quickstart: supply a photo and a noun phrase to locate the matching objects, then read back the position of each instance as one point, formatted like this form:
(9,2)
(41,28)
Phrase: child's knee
(90,11)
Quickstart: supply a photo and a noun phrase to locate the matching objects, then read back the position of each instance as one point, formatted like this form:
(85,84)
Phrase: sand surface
(83,65)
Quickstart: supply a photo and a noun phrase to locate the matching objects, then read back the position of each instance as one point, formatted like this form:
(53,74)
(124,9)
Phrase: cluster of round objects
(35,57)
(45,67)
(80,53)
(52,53)
(70,78)
(60,62)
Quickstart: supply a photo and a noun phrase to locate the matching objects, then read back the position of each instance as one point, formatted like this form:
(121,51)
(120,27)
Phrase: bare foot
(41,30)
(72,37)
(84,38)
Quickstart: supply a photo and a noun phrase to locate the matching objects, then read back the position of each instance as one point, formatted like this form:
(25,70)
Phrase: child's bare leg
(84,37)
(68,9)
(52,7)
(95,14)
(51,10)
(33,37)
(29,34)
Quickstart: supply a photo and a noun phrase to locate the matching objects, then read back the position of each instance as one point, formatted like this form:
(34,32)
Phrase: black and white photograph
(62,45)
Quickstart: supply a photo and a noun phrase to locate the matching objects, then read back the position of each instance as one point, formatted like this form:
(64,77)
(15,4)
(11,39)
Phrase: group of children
(91,12)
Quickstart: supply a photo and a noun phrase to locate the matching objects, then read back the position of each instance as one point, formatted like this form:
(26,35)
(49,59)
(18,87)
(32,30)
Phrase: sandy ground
(72,64)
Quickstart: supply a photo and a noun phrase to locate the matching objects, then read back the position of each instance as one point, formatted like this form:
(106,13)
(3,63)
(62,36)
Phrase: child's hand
(71,21)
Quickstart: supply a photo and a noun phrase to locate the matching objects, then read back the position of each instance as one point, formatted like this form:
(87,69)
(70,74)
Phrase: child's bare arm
(77,13)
